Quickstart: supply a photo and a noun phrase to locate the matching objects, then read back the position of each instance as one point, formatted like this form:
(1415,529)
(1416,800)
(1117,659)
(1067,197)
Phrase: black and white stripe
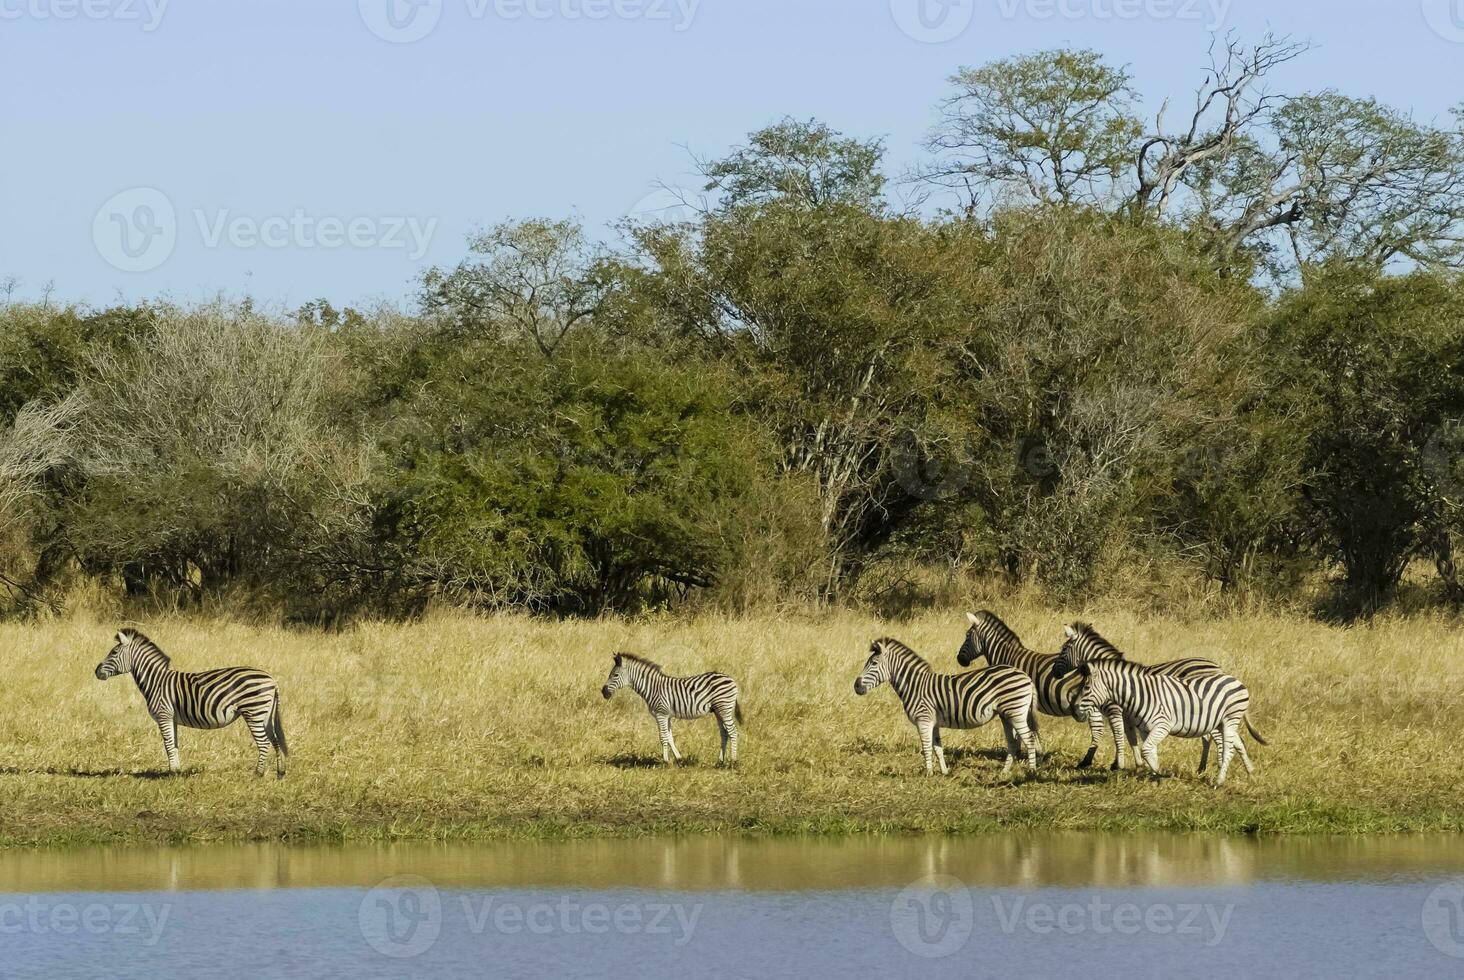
(934,701)
(669,697)
(206,699)
(1200,704)
(1085,645)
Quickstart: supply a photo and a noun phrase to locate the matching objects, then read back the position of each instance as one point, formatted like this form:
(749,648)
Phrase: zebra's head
(1083,645)
(1093,693)
(617,677)
(119,658)
(876,669)
(974,646)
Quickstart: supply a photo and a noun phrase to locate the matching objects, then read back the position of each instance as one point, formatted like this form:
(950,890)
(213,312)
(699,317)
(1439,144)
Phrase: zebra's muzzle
(859,688)
(102,673)
(605,692)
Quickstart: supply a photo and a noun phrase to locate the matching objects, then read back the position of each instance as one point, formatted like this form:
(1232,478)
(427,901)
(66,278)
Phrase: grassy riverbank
(471,728)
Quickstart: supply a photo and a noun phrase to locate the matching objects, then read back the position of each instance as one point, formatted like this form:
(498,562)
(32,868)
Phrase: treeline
(1224,360)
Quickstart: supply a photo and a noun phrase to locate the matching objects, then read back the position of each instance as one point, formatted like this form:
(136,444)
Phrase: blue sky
(290,149)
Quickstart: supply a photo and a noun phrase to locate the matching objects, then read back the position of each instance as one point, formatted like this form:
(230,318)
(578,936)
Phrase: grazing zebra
(669,697)
(206,699)
(1085,645)
(1212,705)
(934,701)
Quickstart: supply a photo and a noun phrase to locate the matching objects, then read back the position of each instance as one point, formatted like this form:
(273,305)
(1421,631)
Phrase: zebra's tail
(276,727)
(1253,733)
(737,711)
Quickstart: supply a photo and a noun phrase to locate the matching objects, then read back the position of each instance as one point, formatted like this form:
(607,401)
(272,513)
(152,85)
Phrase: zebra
(206,699)
(933,701)
(669,697)
(1212,705)
(993,639)
(1084,644)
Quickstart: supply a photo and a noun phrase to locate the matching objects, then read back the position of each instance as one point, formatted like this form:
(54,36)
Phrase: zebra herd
(1088,680)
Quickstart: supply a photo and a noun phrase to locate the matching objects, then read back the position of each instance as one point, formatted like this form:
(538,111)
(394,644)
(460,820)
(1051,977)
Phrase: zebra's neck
(1002,647)
(906,670)
(149,669)
(643,678)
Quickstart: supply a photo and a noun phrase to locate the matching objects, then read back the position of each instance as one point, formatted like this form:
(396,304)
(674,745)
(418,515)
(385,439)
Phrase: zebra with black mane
(934,701)
(206,699)
(1083,644)
(668,697)
(1207,704)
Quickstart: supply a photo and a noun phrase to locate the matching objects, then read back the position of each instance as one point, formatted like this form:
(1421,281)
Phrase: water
(1042,906)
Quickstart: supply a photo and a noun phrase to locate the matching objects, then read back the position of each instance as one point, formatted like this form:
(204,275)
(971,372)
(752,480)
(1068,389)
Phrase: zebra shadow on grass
(631,760)
(75,773)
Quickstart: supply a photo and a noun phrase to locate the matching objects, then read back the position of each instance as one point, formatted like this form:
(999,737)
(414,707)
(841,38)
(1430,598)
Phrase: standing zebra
(206,699)
(1212,705)
(669,697)
(993,639)
(1085,645)
(934,701)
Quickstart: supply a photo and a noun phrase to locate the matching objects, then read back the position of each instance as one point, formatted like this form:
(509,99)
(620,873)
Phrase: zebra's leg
(1228,738)
(1216,736)
(1095,735)
(1032,727)
(1244,755)
(926,731)
(727,722)
(939,751)
(663,725)
(1026,741)
(1151,746)
(1121,734)
(1013,746)
(169,732)
(259,731)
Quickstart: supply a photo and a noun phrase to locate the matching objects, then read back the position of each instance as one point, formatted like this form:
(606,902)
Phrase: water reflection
(716,864)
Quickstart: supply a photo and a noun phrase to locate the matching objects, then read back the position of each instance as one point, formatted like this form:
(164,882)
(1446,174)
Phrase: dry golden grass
(462,727)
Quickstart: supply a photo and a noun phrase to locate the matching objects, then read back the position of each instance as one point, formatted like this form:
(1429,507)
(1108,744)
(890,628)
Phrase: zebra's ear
(121,637)
(971,618)
(1072,634)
